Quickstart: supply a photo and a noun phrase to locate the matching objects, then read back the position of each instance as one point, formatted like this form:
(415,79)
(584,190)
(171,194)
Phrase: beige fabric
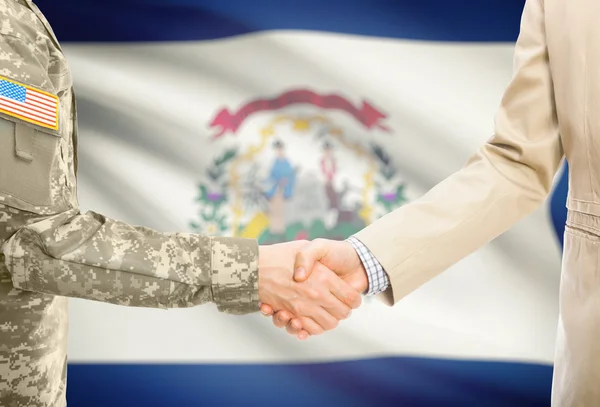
(549,110)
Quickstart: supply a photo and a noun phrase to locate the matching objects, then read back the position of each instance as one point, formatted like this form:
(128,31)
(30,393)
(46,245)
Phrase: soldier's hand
(318,304)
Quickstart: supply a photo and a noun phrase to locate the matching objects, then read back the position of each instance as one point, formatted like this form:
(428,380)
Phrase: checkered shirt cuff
(378,278)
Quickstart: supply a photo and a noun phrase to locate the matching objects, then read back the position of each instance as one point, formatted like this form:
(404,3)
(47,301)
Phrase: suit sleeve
(505,180)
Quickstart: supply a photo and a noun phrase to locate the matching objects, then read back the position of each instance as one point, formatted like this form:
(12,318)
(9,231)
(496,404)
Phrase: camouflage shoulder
(24,56)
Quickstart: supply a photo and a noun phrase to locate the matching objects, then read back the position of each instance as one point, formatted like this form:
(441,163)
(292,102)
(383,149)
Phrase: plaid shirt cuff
(378,278)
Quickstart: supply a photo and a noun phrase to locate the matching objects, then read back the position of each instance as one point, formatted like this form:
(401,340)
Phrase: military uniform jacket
(51,251)
(550,110)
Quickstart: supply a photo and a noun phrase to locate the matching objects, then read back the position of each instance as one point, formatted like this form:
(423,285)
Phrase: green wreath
(211,202)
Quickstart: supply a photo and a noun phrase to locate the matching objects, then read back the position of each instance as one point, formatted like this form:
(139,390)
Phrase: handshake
(308,287)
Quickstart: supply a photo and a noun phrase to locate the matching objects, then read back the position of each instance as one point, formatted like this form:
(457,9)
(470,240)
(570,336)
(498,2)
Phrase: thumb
(307,257)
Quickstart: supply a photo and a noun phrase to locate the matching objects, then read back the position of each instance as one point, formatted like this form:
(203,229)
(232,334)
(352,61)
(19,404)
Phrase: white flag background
(192,112)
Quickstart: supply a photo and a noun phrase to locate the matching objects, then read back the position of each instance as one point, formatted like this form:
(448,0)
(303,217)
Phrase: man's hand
(318,303)
(338,256)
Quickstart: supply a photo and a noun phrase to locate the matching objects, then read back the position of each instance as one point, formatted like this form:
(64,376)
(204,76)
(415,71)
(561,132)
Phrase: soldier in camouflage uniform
(50,250)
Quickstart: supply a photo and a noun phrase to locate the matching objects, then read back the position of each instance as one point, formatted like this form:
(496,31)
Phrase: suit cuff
(376,275)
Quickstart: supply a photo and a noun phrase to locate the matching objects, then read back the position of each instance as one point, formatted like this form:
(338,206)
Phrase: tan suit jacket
(550,110)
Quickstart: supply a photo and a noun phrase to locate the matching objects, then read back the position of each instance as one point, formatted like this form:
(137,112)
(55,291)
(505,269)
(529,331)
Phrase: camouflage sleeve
(48,245)
(93,257)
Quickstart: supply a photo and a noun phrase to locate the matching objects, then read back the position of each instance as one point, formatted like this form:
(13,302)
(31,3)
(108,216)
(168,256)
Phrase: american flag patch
(28,104)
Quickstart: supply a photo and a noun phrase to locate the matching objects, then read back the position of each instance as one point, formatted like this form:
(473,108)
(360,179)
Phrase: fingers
(266,310)
(334,307)
(321,319)
(311,328)
(282,318)
(321,299)
(303,327)
(345,297)
(294,327)
(307,257)
(316,305)
(303,335)
(339,310)
(344,292)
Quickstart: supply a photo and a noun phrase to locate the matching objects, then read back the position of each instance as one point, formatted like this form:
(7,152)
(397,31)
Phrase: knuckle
(295,330)
(312,330)
(324,278)
(345,312)
(332,302)
(317,331)
(353,298)
(332,324)
(310,326)
(298,307)
(319,241)
(358,302)
(313,294)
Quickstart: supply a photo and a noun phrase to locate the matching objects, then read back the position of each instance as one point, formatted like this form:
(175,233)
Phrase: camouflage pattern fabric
(50,250)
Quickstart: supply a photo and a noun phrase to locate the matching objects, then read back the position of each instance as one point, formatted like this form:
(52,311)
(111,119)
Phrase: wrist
(261,272)
(359,279)
(363,279)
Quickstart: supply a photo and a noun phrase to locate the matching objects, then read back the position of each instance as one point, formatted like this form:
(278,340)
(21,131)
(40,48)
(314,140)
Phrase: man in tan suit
(547,112)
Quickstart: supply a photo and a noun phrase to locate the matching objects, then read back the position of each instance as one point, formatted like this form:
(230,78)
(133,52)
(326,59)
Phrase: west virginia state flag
(287,120)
